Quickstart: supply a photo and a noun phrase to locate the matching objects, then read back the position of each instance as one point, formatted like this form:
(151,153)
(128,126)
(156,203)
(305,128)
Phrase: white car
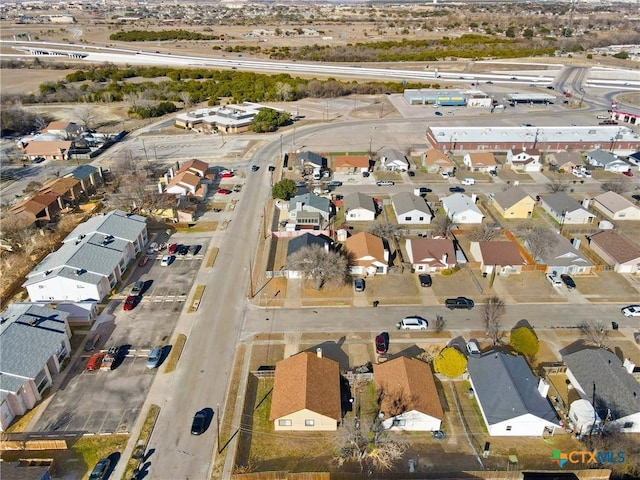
(412,323)
(472,348)
(554,280)
(166,260)
(631,311)
(444,175)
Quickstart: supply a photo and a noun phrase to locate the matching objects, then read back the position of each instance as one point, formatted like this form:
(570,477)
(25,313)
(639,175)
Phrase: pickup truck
(460,302)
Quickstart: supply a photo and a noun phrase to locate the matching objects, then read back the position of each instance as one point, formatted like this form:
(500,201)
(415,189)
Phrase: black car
(456,189)
(199,423)
(411,173)
(636,197)
(255,168)
(334,183)
(101,469)
(425,279)
(183,249)
(568,281)
(358,285)
(382,343)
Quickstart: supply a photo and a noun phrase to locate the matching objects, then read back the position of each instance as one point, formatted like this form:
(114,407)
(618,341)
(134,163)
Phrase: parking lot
(110,401)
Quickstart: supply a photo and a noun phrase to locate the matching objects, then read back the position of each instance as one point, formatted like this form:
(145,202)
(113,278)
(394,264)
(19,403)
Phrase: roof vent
(82,236)
(3,320)
(47,272)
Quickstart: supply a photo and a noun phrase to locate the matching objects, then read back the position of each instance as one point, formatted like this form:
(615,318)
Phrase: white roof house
(392,159)
(90,260)
(411,209)
(616,207)
(359,207)
(523,159)
(34,341)
(461,208)
(608,161)
(512,402)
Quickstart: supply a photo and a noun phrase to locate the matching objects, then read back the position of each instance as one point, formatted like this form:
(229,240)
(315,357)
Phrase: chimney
(585,203)
(319,352)
(171,172)
(444,258)
(543,387)
(628,365)
(474,198)
(159,187)
(166,179)
(576,243)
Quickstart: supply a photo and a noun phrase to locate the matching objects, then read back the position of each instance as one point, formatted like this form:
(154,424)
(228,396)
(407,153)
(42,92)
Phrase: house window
(284,423)
(508,428)
(407,219)
(627,425)
(309,423)
(398,422)
(421,219)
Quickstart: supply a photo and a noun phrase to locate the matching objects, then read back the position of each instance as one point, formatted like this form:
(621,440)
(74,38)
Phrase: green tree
(268,120)
(524,340)
(284,189)
(621,55)
(450,362)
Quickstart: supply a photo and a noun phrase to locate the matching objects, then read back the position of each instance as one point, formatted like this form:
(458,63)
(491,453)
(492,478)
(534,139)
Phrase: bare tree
(284,91)
(384,230)
(556,186)
(492,311)
(594,332)
(440,323)
(354,445)
(32,186)
(87,116)
(617,186)
(538,240)
(442,225)
(18,233)
(483,233)
(185,98)
(320,266)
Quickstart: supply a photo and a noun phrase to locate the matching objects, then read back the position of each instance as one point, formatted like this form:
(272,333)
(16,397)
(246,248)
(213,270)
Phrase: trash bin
(484,274)
(376,303)
(614,325)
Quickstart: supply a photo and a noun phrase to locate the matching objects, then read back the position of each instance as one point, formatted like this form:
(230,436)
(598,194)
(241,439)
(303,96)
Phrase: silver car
(154,358)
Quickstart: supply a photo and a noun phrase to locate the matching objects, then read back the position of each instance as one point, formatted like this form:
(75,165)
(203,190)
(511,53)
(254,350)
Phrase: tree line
(159,35)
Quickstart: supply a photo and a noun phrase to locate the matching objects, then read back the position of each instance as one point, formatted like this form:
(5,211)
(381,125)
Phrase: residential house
(408,395)
(608,161)
(311,160)
(68,189)
(616,250)
(34,341)
(393,160)
(309,211)
(304,241)
(411,209)
(566,210)
(187,184)
(370,255)
(195,167)
(524,160)
(65,130)
(359,207)
(39,209)
(503,257)
(27,469)
(565,161)
(480,161)
(431,254)
(616,207)
(634,158)
(436,161)
(511,401)
(461,208)
(351,163)
(563,257)
(91,259)
(306,393)
(514,202)
(90,177)
(49,150)
(599,374)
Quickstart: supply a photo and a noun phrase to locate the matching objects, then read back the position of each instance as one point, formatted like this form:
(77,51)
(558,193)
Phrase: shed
(584,417)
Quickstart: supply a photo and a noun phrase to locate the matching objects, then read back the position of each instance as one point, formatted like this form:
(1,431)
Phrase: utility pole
(145,150)
(218,426)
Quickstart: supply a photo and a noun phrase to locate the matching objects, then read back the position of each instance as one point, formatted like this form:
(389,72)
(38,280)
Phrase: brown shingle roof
(437,157)
(365,244)
(195,164)
(511,196)
(412,379)
(47,148)
(500,253)
(306,381)
(36,204)
(614,201)
(185,178)
(60,185)
(353,161)
(482,159)
(431,251)
(618,247)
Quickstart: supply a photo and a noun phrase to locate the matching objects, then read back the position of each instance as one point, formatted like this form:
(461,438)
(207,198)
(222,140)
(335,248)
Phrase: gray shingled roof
(459,203)
(406,202)
(601,157)
(359,200)
(29,336)
(562,254)
(510,197)
(311,200)
(616,389)
(311,157)
(507,388)
(306,240)
(81,172)
(560,201)
(116,223)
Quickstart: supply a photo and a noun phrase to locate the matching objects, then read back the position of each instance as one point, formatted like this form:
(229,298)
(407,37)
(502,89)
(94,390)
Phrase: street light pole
(281,146)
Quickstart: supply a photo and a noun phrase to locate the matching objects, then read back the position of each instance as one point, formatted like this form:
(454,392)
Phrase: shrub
(524,340)
(450,362)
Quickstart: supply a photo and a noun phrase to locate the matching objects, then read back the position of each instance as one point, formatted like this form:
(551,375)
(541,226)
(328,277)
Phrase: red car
(173,248)
(225,174)
(130,302)
(95,361)
(382,343)
(223,191)
(628,173)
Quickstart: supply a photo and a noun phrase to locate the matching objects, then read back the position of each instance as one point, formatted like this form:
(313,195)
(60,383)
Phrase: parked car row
(109,359)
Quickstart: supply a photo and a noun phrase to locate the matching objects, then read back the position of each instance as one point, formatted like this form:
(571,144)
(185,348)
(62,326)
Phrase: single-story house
(309,210)
(68,189)
(359,207)
(431,254)
(89,176)
(523,159)
(514,202)
(302,241)
(196,167)
(411,209)
(306,393)
(64,129)
(616,250)
(351,163)
(511,400)
(502,256)
(461,208)
(480,161)
(563,257)
(408,395)
(91,259)
(310,160)
(34,341)
(566,210)
(598,373)
(608,161)
(436,161)
(48,149)
(565,161)
(370,255)
(392,159)
(187,184)
(39,209)
(616,207)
